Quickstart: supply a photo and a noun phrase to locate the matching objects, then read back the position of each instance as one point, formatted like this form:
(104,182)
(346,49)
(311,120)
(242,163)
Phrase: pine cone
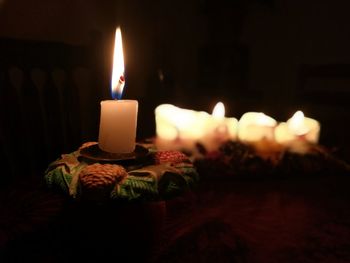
(98,180)
(170,157)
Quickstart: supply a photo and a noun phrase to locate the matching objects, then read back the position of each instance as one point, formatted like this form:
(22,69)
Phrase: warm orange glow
(219,110)
(117,84)
(297,124)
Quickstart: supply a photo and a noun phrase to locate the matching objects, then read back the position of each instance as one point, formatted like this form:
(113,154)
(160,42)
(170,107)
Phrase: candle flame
(219,110)
(297,124)
(118,80)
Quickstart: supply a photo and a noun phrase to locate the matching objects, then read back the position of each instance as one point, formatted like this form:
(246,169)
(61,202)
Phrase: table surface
(286,220)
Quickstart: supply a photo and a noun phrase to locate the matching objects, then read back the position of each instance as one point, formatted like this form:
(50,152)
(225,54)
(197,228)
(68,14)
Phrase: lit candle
(118,119)
(298,127)
(256,126)
(178,128)
(176,123)
(226,127)
(219,128)
(166,116)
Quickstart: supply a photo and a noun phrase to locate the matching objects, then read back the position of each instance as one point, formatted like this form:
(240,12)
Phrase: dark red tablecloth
(271,220)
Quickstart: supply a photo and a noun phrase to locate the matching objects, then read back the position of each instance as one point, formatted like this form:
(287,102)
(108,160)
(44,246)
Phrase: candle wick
(119,88)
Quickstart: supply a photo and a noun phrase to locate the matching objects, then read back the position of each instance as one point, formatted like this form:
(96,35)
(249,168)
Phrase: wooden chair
(47,98)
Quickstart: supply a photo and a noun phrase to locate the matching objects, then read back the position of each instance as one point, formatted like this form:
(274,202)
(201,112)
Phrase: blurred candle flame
(118,80)
(219,110)
(297,124)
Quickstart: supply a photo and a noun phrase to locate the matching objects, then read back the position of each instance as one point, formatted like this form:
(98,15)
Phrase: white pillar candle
(176,123)
(255,126)
(298,127)
(118,119)
(118,123)
(178,128)
(224,126)
(166,119)
(220,128)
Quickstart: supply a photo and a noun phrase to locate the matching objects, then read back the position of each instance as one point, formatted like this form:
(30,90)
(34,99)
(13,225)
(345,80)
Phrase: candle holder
(94,153)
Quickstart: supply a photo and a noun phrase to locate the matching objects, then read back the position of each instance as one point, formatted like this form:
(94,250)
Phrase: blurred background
(275,56)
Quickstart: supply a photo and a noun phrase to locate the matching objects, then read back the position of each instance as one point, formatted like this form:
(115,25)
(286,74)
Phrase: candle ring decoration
(94,153)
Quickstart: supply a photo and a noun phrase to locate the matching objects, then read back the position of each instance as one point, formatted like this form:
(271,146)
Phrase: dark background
(275,56)
(254,55)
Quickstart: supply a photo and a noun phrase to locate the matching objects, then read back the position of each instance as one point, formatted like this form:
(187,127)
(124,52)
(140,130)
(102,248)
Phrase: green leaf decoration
(149,182)
(58,178)
(73,187)
(135,187)
(172,184)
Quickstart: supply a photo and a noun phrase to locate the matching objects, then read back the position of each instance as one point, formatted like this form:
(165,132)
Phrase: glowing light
(297,124)
(219,110)
(263,119)
(118,80)
(173,122)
